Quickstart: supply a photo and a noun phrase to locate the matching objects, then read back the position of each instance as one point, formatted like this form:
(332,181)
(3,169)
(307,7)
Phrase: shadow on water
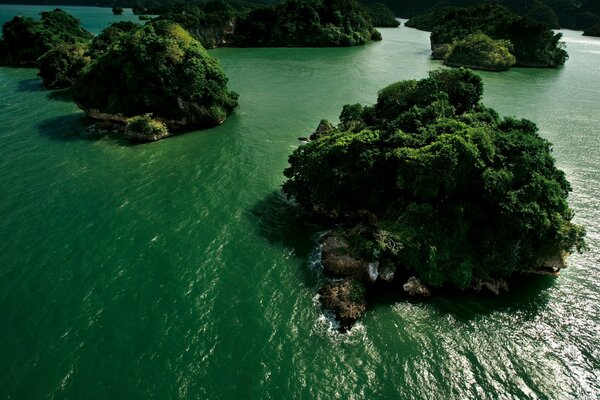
(280,221)
(71,127)
(30,85)
(61,95)
(527,296)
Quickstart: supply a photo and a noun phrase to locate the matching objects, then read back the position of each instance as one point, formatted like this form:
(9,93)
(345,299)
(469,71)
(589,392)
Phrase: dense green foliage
(25,39)
(117,10)
(533,44)
(61,66)
(159,69)
(290,23)
(110,35)
(382,16)
(459,193)
(479,51)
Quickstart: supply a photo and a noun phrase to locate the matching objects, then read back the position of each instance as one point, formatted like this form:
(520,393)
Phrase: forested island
(490,37)
(428,188)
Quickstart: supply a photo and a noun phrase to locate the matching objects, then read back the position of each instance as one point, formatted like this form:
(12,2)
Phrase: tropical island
(428,188)
(490,37)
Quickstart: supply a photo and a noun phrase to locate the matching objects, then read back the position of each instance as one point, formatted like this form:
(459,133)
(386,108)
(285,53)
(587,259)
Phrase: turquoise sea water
(174,270)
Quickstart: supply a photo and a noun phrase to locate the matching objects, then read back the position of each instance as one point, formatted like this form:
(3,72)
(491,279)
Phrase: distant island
(428,188)
(490,37)
(579,15)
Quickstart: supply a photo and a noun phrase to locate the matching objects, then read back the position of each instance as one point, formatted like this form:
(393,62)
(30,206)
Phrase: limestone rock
(338,261)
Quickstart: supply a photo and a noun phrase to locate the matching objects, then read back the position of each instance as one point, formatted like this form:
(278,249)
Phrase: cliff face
(215,35)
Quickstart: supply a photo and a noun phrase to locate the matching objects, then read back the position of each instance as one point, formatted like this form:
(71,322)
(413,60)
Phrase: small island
(160,79)
(428,188)
(490,37)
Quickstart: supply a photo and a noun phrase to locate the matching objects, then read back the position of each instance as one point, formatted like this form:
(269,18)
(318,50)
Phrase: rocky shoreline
(352,277)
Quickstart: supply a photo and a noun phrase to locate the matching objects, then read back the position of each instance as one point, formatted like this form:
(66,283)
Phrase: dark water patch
(61,95)
(30,85)
(65,127)
(281,221)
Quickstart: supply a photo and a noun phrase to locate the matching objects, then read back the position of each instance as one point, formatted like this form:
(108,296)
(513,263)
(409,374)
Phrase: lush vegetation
(479,51)
(531,43)
(24,39)
(382,16)
(455,193)
(61,66)
(159,69)
(145,128)
(117,10)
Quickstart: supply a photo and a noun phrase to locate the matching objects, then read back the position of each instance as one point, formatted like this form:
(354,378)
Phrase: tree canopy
(457,192)
(24,39)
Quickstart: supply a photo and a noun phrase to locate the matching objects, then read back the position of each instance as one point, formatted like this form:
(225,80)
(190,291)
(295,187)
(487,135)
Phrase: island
(427,189)
(158,78)
(490,37)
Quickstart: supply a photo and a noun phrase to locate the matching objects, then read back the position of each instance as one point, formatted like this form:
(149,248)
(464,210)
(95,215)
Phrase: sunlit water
(173,270)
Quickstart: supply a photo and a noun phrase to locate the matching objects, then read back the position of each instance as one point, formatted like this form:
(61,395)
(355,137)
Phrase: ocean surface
(176,270)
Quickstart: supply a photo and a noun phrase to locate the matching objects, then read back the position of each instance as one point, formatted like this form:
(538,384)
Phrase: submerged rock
(414,287)
(346,299)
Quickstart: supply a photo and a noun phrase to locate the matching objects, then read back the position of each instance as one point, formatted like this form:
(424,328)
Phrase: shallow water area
(173,269)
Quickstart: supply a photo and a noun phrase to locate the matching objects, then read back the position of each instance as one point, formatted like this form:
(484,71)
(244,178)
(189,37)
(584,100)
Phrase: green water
(173,269)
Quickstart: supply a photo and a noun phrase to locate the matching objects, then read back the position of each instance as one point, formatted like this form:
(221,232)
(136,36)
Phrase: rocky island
(490,37)
(428,188)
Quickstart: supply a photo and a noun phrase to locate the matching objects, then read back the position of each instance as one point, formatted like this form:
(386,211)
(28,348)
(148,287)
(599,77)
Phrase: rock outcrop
(346,299)
(339,261)
(414,287)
